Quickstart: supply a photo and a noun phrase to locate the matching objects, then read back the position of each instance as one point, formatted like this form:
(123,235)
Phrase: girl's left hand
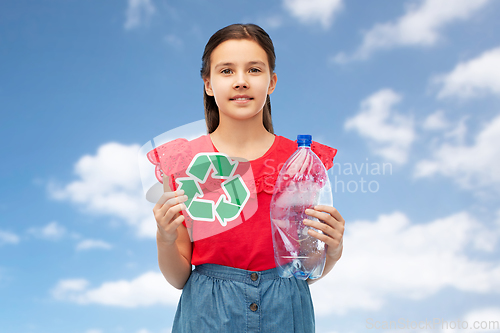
(332,227)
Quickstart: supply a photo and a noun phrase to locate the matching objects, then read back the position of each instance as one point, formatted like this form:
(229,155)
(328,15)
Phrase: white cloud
(446,129)
(7,237)
(143,330)
(93,331)
(270,22)
(474,78)
(52,231)
(480,320)
(471,166)
(109,183)
(150,288)
(174,41)
(312,11)
(420,26)
(139,13)
(394,258)
(436,121)
(64,287)
(383,259)
(88,244)
(390,133)
(458,132)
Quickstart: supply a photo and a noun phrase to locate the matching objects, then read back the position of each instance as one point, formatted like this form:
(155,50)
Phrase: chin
(242,116)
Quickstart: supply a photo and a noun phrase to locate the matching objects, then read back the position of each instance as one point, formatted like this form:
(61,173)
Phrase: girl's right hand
(167,214)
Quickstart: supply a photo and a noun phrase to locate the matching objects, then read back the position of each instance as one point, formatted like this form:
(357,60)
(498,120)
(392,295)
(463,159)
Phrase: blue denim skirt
(224,299)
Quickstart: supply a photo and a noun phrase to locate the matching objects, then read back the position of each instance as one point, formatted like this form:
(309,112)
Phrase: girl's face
(240,78)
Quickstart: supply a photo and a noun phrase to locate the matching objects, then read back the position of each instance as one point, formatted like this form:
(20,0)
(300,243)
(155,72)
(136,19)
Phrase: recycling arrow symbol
(228,206)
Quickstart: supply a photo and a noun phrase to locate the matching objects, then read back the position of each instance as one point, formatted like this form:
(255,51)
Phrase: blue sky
(412,85)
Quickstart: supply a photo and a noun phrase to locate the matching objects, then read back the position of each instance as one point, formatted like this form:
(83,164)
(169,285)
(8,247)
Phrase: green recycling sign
(229,206)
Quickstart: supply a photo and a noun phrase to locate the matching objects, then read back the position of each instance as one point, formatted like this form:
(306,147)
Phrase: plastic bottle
(302,183)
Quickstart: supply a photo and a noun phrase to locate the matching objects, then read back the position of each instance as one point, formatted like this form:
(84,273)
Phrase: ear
(272,84)
(208,87)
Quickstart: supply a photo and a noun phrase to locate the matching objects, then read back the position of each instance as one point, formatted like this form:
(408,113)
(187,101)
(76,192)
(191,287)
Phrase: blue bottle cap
(304,140)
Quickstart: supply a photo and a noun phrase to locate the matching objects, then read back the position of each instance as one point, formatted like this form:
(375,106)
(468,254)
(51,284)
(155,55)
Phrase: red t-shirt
(249,245)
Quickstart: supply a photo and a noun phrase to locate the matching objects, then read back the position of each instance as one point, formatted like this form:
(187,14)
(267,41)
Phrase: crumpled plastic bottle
(302,183)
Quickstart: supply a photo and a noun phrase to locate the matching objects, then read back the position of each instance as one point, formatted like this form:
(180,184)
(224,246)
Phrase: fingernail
(183,206)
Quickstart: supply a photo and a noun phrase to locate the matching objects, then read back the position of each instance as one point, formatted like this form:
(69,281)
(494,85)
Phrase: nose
(240,82)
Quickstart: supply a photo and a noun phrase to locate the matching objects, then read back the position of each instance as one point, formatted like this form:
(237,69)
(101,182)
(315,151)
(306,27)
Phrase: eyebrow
(257,62)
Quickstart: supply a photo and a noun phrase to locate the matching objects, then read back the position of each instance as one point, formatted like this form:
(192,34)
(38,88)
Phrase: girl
(234,286)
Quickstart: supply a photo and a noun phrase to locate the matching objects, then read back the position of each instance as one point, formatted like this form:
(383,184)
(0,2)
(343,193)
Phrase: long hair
(236,31)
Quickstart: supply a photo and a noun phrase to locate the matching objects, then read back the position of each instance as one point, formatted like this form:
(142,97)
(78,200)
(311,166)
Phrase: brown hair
(236,31)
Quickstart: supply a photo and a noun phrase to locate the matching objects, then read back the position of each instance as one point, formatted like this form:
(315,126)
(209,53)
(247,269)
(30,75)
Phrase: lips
(241,98)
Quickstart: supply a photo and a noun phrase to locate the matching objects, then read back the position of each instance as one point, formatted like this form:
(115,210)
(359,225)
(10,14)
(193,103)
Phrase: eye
(254,70)
(226,71)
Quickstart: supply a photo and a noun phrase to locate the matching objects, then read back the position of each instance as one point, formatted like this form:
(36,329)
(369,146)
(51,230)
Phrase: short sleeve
(325,153)
(171,159)
(267,171)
